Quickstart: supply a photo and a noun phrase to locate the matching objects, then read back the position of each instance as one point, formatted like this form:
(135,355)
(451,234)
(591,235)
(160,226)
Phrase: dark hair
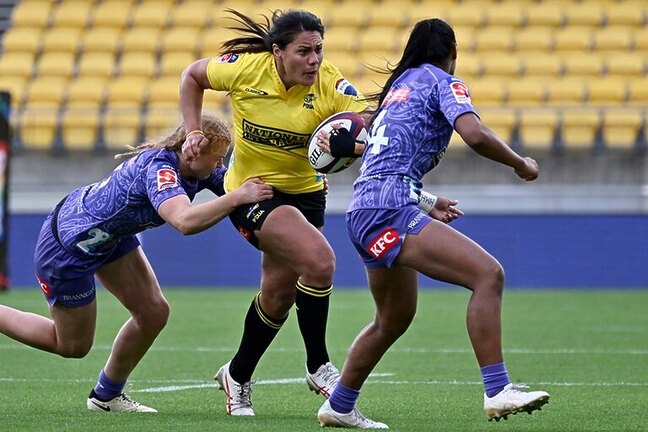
(280,29)
(430,41)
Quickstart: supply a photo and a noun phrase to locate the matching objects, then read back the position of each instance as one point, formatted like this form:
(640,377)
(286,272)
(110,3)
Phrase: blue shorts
(378,234)
(65,277)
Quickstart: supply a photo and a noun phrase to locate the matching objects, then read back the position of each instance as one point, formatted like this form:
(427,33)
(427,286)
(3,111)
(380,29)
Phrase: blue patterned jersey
(96,217)
(408,136)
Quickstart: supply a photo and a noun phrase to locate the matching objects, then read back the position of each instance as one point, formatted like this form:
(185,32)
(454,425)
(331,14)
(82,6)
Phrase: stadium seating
(537,130)
(621,128)
(579,128)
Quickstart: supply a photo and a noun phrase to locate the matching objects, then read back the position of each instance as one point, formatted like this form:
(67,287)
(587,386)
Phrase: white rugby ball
(324,162)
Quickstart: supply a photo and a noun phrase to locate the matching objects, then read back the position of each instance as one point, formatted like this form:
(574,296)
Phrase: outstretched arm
(486,143)
(440,208)
(193,218)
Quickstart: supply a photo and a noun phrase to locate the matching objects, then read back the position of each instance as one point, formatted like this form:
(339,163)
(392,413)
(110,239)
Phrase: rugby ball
(324,162)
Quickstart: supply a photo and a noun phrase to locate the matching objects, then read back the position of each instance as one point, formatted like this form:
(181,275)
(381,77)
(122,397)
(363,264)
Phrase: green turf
(588,349)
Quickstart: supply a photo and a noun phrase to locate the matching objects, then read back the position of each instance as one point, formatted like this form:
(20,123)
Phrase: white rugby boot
(354,419)
(121,403)
(324,380)
(511,400)
(239,396)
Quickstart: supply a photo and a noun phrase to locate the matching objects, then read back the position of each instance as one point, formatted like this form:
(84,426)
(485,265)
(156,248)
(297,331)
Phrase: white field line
(529,351)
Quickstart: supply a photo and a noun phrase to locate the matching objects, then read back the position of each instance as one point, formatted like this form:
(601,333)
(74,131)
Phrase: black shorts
(250,217)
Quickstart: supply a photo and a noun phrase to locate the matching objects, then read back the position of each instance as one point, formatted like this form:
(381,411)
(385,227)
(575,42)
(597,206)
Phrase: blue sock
(106,388)
(343,398)
(495,378)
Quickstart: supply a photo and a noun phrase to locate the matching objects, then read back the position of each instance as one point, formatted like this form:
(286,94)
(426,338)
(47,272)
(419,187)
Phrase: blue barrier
(537,251)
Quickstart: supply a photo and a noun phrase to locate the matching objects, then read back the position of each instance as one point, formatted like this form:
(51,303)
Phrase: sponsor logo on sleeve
(383,243)
(460,92)
(227,58)
(345,87)
(166,178)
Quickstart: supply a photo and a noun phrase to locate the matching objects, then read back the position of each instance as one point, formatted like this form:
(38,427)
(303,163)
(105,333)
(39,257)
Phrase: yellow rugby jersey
(272,125)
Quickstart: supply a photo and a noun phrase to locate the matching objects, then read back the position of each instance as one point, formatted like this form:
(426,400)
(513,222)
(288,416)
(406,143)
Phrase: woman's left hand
(444,210)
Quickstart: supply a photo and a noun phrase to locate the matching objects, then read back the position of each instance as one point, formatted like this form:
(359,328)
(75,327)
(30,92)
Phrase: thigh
(442,253)
(395,292)
(290,238)
(131,279)
(74,324)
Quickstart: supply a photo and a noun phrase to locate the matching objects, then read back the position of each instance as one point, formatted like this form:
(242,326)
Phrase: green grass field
(588,349)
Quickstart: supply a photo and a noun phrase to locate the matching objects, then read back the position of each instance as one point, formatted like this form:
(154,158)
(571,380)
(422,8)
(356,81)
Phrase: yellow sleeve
(345,96)
(222,71)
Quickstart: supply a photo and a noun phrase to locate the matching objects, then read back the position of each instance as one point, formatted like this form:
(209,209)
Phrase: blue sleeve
(454,99)
(162,182)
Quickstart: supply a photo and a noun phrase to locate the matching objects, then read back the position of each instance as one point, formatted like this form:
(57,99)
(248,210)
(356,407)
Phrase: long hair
(431,41)
(280,29)
(215,130)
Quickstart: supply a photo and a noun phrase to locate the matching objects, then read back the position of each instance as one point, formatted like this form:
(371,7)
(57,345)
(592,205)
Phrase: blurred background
(562,81)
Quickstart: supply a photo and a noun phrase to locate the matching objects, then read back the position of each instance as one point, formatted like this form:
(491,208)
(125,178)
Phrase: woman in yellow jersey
(281,88)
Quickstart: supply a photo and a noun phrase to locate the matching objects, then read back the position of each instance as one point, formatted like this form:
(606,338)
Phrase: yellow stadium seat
(537,129)
(584,14)
(56,64)
(75,13)
(31,14)
(640,38)
(534,39)
(526,92)
(637,92)
(613,38)
(341,39)
(469,67)
(607,91)
(428,9)
(573,38)
(499,64)
(368,84)
(544,14)
(180,39)
(101,39)
(80,128)
(86,91)
(625,14)
(348,14)
(121,128)
(565,91)
(96,64)
(501,121)
(16,64)
(465,37)
(212,39)
(114,13)
(160,121)
(140,39)
(191,14)
(579,128)
(64,39)
(22,39)
(126,92)
(468,15)
(627,65)
(218,18)
(487,92)
(621,128)
(349,64)
(506,14)
(47,92)
(583,65)
(494,38)
(137,64)
(164,93)
(389,14)
(151,14)
(541,65)
(37,127)
(378,39)
(172,64)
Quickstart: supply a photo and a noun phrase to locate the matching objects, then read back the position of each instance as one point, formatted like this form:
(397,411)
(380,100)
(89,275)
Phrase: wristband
(427,201)
(194,132)
(342,143)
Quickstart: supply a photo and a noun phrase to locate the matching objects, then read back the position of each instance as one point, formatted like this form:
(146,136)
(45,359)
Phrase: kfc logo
(44,287)
(166,178)
(383,243)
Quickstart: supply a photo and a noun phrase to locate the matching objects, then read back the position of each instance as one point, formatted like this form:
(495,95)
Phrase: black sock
(312,315)
(258,333)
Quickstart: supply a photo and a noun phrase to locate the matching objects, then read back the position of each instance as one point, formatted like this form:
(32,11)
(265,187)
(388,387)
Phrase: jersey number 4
(378,139)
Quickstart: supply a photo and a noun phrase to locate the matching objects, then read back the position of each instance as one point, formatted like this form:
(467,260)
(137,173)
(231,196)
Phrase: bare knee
(394,326)
(74,349)
(491,279)
(154,317)
(319,269)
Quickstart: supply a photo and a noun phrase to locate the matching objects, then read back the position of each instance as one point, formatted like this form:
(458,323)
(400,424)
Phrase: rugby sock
(258,332)
(107,389)
(343,398)
(312,313)
(495,378)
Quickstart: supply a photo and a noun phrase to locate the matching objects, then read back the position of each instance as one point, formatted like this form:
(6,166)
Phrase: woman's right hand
(254,190)
(528,170)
